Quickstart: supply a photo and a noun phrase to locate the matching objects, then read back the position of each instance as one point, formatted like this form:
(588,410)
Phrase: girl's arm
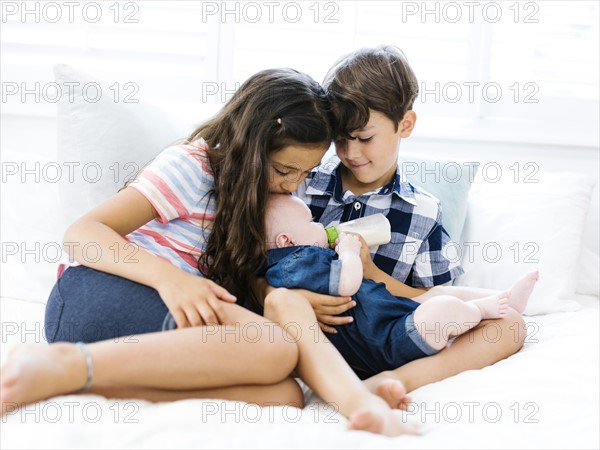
(191,299)
(104,228)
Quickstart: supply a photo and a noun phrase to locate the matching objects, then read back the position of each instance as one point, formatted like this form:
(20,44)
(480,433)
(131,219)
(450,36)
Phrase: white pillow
(515,228)
(448,180)
(107,142)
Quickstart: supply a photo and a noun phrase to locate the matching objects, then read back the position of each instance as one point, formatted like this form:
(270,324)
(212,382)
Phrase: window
(522,71)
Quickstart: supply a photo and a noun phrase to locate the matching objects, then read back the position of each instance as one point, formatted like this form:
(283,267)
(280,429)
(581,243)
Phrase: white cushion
(515,228)
(448,180)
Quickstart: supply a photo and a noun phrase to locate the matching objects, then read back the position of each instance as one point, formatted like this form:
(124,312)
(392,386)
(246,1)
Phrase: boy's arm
(397,288)
(351,272)
(372,272)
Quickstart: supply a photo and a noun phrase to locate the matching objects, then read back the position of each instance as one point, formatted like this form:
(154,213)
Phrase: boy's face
(371,158)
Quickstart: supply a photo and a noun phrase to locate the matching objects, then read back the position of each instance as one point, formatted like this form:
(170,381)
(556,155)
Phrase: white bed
(545,396)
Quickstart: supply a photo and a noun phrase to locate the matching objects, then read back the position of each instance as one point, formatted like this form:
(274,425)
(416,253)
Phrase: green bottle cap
(332,234)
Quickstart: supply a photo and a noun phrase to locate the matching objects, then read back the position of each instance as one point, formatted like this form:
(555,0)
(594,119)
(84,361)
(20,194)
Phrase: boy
(372,93)
(386,332)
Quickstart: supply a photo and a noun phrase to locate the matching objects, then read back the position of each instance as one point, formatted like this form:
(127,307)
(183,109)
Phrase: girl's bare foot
(37,372)
(521,291)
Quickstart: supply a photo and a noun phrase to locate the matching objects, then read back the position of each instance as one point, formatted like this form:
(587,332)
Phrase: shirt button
(357,206)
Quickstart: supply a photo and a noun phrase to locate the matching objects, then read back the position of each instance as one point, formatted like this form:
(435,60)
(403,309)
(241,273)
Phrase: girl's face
(370,159)
(289,166)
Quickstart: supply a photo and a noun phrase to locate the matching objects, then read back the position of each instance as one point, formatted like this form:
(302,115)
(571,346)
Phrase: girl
(198,209)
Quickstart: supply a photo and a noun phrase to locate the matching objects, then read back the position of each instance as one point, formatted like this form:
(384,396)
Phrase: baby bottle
(375,229)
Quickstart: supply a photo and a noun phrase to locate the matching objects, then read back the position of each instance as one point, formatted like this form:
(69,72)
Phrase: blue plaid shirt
(416,253)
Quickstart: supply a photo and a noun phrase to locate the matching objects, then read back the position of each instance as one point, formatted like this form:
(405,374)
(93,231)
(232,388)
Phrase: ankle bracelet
(89,364)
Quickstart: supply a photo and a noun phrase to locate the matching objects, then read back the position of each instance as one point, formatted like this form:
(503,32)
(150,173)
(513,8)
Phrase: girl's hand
(194,301)
(327,308)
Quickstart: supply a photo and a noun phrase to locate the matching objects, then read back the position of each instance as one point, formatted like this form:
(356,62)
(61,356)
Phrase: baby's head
(288,222)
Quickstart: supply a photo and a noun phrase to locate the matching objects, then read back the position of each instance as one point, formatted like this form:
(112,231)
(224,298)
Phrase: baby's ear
(283,240)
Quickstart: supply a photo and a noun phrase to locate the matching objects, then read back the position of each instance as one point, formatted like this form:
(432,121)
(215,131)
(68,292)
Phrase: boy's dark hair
(371,78)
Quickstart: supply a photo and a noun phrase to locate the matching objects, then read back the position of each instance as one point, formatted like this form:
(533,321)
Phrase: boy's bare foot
(37,372)
(389,388)
(521,291)
(377,420)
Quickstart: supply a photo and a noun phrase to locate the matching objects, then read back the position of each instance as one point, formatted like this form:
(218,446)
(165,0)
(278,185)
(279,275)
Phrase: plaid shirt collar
(327,180)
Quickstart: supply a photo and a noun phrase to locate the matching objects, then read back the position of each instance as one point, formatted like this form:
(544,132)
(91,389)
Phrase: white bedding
(545,396)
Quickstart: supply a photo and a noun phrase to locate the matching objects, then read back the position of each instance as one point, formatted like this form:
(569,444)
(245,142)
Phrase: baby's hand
(347,243)
(369,267)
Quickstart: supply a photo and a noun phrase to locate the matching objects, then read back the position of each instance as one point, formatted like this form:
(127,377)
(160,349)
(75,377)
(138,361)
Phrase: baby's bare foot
(494,306)
(521,291)
(35,372)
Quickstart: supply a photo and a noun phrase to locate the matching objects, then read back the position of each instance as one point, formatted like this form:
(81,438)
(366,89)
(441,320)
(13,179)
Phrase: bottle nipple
(332,234)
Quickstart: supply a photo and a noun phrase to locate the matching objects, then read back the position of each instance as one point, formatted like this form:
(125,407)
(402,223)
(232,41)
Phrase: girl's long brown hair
(240,138)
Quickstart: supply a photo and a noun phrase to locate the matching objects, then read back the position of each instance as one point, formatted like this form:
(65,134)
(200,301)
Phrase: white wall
(172,51)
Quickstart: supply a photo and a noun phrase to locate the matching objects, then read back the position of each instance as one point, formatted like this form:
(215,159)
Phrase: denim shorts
(383,335)
(89,305)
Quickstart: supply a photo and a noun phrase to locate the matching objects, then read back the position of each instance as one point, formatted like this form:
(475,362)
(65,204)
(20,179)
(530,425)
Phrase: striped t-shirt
(178,184)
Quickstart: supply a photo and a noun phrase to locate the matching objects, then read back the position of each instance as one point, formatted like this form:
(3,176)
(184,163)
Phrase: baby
(386,331)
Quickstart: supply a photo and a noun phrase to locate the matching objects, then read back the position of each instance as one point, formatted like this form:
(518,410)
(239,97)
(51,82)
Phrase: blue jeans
(88,305)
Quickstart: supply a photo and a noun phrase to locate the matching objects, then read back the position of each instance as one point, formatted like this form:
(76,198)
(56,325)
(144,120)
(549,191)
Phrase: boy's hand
(369,267)
(193,300)
(327,308)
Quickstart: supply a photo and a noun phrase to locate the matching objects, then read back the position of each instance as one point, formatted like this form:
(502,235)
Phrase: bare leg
(486,344)
(286,392)
(322,367)
(520,292)
(186,359)
(465,293)
(444,316)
